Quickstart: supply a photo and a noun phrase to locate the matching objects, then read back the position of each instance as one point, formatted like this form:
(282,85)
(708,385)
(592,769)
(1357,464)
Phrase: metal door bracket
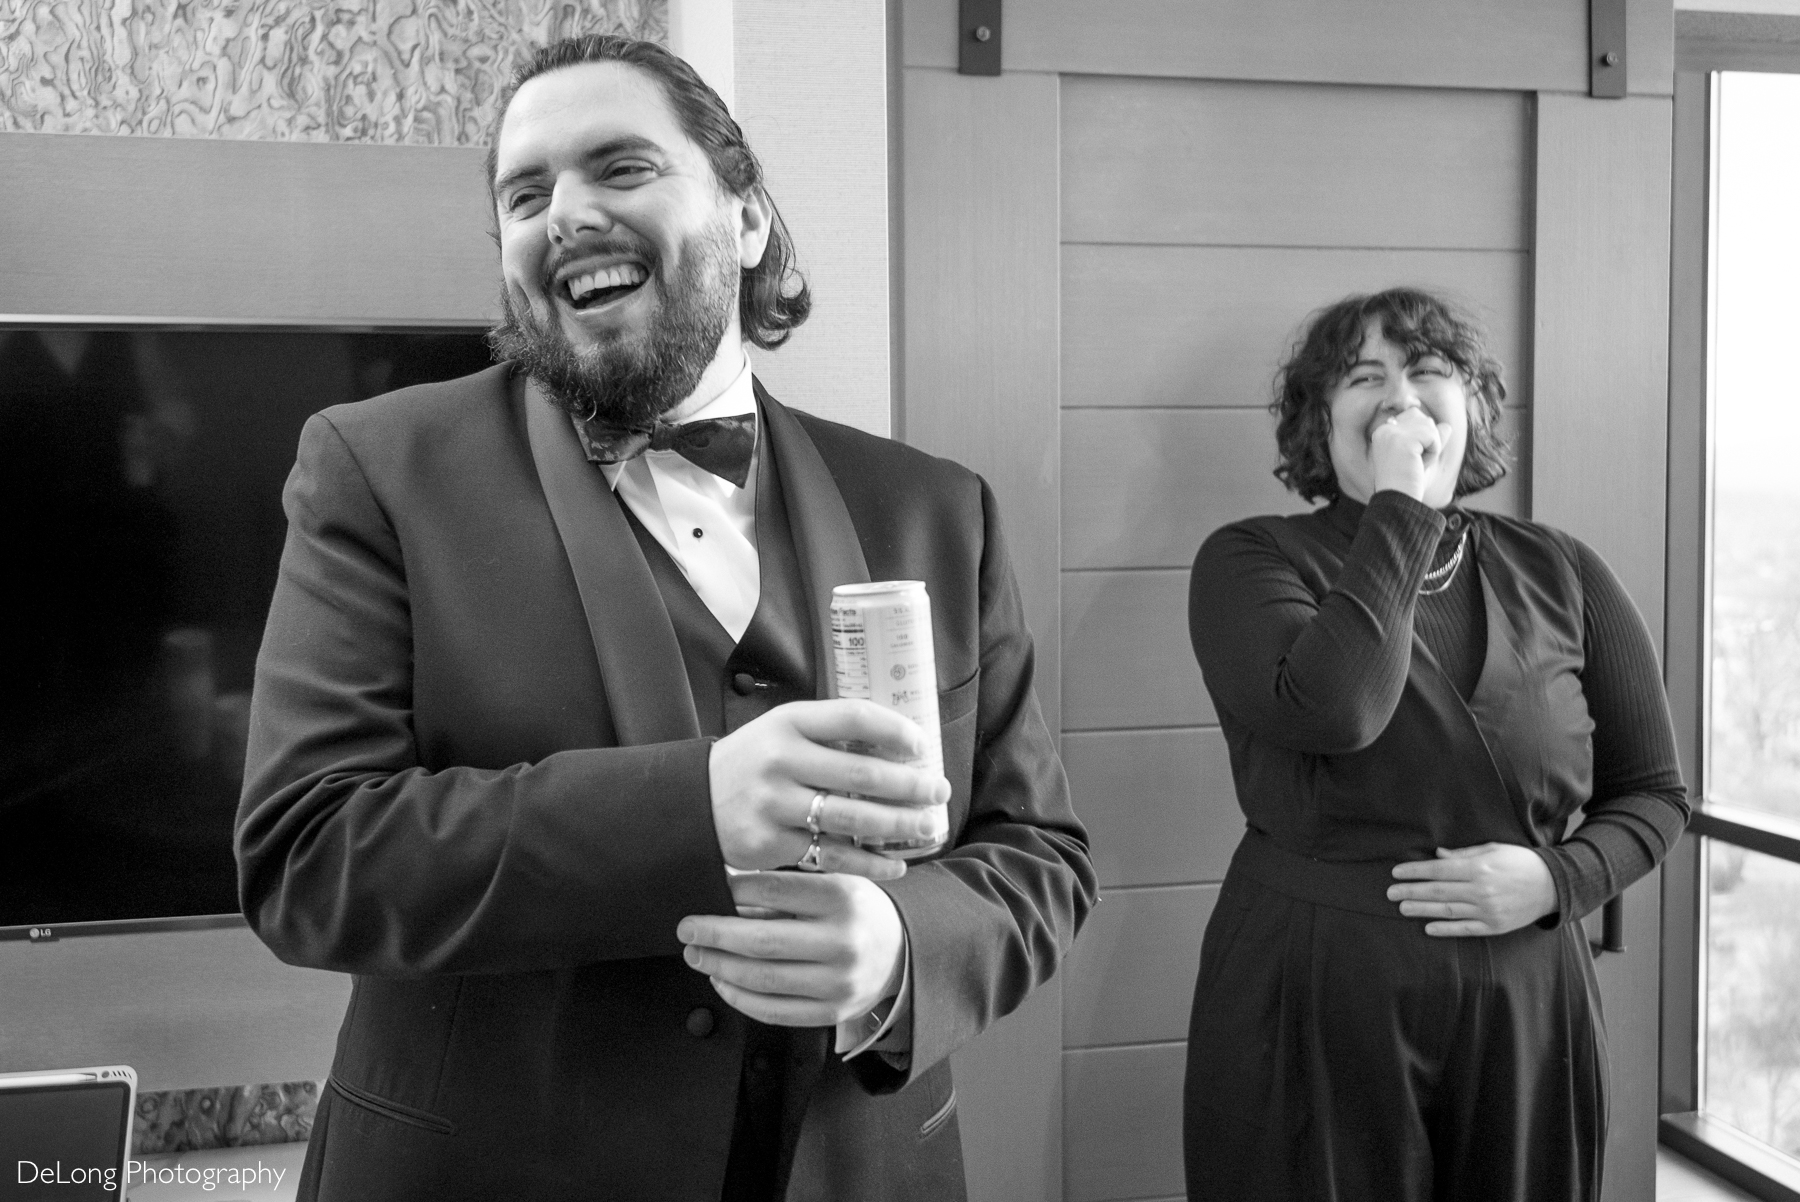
(1606,49)
(978,38)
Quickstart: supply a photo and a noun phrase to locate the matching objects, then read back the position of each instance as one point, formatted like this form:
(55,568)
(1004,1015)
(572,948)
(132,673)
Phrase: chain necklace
(1439,579)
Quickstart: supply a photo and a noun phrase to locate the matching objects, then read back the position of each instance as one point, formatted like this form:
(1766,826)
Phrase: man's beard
(627,381)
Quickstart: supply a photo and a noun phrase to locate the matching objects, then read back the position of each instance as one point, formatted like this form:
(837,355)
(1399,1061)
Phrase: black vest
(733,684)
(1511,764)
(775,662)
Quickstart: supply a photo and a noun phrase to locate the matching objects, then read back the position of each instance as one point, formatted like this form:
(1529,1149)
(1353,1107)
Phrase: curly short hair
(773,299)
(1420,323)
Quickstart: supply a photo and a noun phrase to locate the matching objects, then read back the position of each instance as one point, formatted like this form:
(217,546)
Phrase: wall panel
(1126,657)
(814,107)
(204,229)
(1599,466)
(1143,488)
(1131,977)
(1600,437)
(1188,161)
(1122,1122)
(980,367)
(1521,44)
(1160,805)
(982,310)
(1207,325)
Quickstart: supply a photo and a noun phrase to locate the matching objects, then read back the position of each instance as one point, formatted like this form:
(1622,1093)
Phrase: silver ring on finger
(813,814)
(809,859)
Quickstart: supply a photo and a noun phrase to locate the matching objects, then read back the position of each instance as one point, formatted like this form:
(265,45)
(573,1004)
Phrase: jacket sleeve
(991,919)
(354,857)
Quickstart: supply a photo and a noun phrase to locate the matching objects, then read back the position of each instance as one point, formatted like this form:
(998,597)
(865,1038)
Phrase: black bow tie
(721,445)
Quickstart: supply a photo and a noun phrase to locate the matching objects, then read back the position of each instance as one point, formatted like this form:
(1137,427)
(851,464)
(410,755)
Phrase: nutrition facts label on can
(850,648)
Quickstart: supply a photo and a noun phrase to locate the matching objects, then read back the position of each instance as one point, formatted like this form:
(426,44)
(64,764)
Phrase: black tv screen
(140,482)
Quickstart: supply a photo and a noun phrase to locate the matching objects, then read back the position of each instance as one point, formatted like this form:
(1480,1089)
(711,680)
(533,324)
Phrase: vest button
(743,684)
(700,1022)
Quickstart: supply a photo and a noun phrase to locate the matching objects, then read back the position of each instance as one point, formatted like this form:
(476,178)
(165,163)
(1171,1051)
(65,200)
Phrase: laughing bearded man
(541,710)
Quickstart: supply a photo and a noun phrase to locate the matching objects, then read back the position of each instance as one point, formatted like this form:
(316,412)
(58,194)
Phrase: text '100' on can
(881,647)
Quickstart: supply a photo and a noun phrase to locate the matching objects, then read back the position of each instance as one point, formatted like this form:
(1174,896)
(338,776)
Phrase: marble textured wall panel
(225,1116)
(397,72)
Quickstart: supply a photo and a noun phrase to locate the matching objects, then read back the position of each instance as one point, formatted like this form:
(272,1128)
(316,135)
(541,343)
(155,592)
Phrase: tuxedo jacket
(476,781)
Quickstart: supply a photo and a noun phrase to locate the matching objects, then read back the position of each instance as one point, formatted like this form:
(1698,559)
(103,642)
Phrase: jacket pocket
(930,1126)
(954,702)
(956,730)
(423,1119)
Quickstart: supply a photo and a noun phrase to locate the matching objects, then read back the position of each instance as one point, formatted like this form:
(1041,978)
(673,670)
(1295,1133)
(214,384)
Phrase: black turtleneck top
(1638,808)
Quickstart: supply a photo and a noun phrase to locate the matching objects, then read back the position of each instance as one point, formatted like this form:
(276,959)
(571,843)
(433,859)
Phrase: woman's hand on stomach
(1489,889)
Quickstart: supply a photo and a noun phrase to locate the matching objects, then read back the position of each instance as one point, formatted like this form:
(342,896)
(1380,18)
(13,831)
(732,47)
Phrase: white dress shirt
(707,524)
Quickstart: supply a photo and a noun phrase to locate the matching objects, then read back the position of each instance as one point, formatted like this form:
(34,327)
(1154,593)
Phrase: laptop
(65,1134)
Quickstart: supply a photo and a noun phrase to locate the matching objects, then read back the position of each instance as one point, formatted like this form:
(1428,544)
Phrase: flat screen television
(140,481)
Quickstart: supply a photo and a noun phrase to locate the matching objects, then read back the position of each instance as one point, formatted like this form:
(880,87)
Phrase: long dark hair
(773,299)
(1420,323)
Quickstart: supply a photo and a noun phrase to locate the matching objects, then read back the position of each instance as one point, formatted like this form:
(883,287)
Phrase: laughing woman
(1396,1002)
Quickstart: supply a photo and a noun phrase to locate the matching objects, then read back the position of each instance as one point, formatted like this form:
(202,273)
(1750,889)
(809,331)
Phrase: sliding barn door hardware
(978,38)
(1606,49)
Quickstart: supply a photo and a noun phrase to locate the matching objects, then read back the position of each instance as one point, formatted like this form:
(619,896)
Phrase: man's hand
(764,776)
(833,960)
(1485,890)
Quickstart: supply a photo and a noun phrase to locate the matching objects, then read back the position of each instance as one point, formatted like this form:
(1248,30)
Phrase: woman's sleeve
(1639,806)
(1317,675)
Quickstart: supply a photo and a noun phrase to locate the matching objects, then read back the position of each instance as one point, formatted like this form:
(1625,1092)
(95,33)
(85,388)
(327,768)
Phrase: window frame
(1706,44)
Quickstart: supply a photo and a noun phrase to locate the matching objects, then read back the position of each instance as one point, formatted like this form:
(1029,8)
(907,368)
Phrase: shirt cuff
(887,1028)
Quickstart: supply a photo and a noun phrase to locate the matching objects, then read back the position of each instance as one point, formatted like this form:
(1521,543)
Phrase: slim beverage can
(882,650)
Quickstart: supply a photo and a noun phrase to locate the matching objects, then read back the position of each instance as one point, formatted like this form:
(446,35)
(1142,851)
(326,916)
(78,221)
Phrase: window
(1732,943)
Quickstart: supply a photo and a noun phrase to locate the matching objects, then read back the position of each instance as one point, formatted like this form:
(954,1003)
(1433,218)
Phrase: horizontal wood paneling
(1130,978)
(1145,487)
(1207,325)
(220,230)
(1126,657)
(1524,45)
(1160,805)
(1122,1122)
(1186,161)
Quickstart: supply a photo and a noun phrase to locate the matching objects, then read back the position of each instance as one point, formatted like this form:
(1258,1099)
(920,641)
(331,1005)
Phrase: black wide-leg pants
(1344,1054)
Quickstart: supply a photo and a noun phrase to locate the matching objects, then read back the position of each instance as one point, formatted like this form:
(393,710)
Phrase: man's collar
(738,398)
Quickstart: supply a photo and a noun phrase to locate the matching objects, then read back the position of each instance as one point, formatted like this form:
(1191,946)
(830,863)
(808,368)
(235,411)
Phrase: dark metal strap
(1606,49)
(978,38)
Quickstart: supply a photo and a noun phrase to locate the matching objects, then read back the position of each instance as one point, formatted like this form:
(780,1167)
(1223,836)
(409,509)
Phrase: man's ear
(755,220)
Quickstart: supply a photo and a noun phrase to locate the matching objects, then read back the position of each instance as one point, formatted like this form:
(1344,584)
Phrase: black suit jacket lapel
(640,658)
(825,539)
